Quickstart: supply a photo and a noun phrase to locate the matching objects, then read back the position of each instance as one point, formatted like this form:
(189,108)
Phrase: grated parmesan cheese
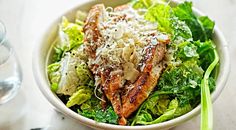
(126,34)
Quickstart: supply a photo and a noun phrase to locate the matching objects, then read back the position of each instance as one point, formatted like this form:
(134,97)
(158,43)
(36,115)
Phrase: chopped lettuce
(181,32)
(168,22)
(92,109)
(54,75)
(89,107)
(153,107)
(201,28)
(108,116)
(68,74)
(179,21)
(143,118)
(206,53)
(168,114)
(162,14)
(65,77)
(171,110)
(71,34)
(208,26)
(70,37)
(186,50)
(69,79)
(157,104)
(59,52)
(82,94)
(138,5)
(182,110)
(83,74)
(184,12)
(182,82)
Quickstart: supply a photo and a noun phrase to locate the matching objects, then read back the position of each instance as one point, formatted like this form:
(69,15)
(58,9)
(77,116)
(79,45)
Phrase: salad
(141,63)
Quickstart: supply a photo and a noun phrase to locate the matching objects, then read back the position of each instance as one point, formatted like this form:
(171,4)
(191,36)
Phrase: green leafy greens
(189,75)
(92,109)
(160,13)
(70,36)
(201,27)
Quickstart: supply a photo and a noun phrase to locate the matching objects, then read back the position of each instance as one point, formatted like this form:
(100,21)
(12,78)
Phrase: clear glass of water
(10,70)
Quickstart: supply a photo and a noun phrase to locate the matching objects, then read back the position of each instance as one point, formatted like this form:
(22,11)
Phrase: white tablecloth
(25,21)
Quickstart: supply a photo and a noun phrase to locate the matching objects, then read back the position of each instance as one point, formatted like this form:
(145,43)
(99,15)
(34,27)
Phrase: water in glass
(10,71)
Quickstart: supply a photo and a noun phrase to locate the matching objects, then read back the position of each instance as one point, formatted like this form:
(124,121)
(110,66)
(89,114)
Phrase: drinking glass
(10,70)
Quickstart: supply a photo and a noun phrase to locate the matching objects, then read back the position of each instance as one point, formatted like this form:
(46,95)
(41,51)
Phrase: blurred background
(26,19)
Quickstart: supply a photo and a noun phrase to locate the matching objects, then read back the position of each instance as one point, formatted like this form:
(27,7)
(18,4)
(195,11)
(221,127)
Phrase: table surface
(25,21)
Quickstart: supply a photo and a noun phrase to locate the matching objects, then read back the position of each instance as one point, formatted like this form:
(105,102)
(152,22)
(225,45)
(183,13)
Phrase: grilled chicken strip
(93,40)
(111,87)
(150,73)
(111,76)
(152,68)
(93,37)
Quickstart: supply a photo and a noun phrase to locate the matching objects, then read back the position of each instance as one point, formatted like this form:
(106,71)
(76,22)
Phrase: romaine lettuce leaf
(89,108)
(181,32)
(69,79)
(168,22)
(106,116)
(208,26)
(186,51)
(206,53)
(182,110)
(157,104)
(82,94)
(153,107)
(162,14)
(71,34)
(84,74)
(144,117)
(182,82)
(68,74)
(70,37)
(201,28)
(54,75)
(167,115)
(92,109)
(179,21)
(58,54)
(111,116)
(172,109)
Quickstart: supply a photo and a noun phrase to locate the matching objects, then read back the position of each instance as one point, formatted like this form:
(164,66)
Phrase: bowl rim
(45,89)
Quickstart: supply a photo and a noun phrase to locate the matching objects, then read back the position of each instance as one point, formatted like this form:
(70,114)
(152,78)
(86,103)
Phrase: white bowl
(44,45)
